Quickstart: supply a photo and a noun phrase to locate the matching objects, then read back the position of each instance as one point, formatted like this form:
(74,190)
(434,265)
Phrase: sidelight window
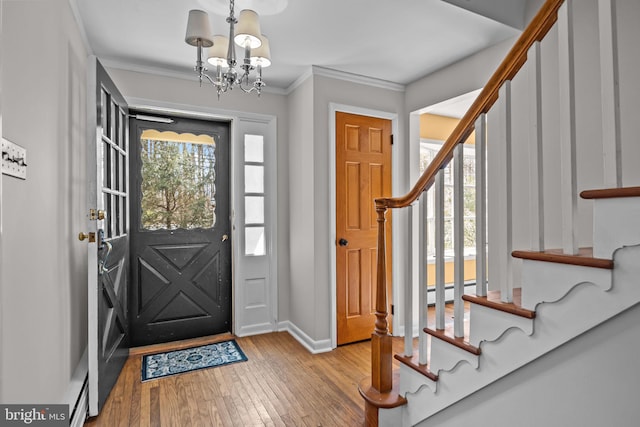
(254,196)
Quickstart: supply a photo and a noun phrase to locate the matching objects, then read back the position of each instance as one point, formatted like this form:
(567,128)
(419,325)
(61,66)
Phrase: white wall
(43,274)
(591,381)
(462,77)
(628,14)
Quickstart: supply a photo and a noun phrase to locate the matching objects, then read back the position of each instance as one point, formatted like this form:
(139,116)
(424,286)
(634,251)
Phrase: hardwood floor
(281,384)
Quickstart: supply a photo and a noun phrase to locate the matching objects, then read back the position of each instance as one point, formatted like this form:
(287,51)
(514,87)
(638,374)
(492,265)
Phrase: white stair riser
(487,324)
(549,281)
(616,223)
(445,356)
(411,381)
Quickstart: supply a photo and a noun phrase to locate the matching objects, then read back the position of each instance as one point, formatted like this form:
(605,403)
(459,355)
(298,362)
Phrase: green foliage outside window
(178,185)
(427,154)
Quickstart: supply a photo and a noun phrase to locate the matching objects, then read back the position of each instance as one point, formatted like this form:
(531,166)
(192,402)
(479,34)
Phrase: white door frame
(395,221)
(1,299)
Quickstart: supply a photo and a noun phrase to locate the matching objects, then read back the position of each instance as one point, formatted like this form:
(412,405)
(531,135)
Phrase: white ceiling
(398,41)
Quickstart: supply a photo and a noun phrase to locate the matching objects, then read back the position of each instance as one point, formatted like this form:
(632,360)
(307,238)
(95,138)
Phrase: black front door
(180,229)
(108,252)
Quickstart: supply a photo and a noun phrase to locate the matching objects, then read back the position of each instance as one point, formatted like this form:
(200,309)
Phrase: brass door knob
(84,236)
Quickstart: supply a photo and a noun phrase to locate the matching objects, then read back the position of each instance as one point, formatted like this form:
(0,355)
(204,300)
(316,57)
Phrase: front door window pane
(178,180)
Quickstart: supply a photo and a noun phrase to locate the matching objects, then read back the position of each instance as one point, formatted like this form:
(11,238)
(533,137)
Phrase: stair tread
(584,257)
(492,300)
(413,362)
(459,342)
(607,193)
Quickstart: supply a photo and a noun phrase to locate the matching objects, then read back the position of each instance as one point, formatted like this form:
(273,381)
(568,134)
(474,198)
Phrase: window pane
(254,210)
(253,148)
(254,241)
(253,179)
(178,180)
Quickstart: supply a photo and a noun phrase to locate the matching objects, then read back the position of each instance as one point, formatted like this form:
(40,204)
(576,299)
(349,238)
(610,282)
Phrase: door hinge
(392,309)
(391,139)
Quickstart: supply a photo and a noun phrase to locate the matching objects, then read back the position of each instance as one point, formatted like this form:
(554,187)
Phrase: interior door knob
(343,242)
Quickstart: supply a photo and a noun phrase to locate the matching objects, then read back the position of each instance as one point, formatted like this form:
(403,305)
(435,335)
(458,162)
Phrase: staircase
(558,115)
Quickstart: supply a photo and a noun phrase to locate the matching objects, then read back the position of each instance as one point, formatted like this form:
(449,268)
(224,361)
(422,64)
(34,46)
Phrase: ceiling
(391,40)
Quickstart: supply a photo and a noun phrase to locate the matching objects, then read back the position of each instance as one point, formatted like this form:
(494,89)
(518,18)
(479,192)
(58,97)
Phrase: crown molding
(73,4)
(357,78)
(126,66)
(300,80)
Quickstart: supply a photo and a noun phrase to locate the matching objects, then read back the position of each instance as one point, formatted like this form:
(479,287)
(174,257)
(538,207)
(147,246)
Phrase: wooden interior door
(363,173)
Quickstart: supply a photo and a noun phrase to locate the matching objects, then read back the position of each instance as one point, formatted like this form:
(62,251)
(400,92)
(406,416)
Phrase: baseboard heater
(80,409)
(469,288)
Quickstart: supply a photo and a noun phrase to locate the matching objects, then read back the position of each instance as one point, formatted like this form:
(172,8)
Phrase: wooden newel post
(381,352)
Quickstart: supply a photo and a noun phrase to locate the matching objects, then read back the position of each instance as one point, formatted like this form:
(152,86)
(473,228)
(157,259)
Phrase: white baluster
(439,247)
(500,198)
(458,235)
(423,251)
(568,182)
(408,290)
(481,205)
(536,187)
(610,87)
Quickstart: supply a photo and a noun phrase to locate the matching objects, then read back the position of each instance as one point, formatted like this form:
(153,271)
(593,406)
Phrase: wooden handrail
(379,388)
(515,59)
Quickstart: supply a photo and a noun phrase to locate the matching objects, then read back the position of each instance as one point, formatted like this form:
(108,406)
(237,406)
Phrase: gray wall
(302,310)
(43,276)
(310,175)
(186,94)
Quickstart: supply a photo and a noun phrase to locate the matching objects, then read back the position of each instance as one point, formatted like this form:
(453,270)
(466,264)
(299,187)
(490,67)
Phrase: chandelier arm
(208,77)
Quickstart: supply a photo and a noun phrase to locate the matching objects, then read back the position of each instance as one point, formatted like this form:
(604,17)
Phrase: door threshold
(179,345)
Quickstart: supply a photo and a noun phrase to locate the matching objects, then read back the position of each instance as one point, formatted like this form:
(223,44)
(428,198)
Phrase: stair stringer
(556,280)
(490,324)
(615,223)
(584,307)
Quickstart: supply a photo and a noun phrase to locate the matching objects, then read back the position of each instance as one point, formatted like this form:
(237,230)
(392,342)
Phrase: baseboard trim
(263,328)
(313,346)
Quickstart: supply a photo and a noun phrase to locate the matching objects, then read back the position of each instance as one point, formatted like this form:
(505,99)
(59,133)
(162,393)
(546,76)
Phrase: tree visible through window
(428,151)
(178,180)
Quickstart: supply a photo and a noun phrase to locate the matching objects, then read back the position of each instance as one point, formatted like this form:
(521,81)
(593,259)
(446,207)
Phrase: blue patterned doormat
(191,359)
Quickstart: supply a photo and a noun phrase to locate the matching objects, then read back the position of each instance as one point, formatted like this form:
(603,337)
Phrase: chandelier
(243,31)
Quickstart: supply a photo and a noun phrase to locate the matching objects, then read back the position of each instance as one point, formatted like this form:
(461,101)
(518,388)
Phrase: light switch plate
(14,159)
